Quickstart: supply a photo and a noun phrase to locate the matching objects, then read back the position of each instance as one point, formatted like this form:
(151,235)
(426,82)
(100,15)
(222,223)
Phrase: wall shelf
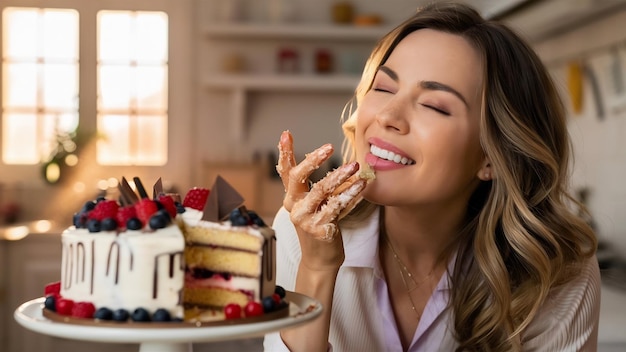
(295,31)
(283,82)
(241,85)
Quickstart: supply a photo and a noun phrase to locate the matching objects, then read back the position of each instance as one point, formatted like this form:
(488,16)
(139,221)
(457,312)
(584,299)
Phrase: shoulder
(570,315)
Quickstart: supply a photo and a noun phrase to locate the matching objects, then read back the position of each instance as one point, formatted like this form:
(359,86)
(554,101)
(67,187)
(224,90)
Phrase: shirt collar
(361,248)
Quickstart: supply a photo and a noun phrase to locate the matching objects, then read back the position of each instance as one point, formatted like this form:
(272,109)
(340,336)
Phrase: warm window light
(132,88)
(40,81)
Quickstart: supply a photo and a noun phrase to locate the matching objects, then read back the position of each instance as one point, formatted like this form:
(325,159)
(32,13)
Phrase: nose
(394,115)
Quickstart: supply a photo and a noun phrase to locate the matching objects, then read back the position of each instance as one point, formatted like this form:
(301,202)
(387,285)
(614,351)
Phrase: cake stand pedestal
(302,309)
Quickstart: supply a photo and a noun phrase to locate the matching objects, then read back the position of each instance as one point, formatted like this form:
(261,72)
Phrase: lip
(379,164)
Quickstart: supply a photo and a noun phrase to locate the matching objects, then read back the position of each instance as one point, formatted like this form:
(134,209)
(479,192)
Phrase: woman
(467,239)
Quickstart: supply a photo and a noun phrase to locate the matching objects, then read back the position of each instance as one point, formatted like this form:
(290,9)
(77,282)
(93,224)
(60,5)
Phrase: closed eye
(443,112)
(383,90)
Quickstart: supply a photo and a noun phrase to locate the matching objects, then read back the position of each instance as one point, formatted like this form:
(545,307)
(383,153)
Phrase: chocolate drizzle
(80,269)
(114,245)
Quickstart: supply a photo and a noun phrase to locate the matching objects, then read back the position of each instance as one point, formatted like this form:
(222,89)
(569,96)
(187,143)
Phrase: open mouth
(391,156)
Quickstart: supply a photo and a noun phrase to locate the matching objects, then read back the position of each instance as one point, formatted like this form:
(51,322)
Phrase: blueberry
(238,220)
(100,199)
(89,205)
(179,208)
(109,224)
(79,220)
(50,303)
(256,219)
(94,225)
(165,214)
(120,315)
(104,313)
(140,314)
(280,291)
(133,224)
(158,221)
(268,304)
(161,315)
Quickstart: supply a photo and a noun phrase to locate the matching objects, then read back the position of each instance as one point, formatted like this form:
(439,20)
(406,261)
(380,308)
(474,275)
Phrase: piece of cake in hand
(229,257)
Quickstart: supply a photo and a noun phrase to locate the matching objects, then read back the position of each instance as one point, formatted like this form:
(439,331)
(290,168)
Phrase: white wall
(599,143)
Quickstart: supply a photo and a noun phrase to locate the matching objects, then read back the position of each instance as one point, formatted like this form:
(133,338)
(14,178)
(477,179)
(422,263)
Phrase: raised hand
(315,211)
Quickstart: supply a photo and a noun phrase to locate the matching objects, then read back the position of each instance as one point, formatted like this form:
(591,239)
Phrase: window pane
(115,86)
(151,30)
(20,85)
(151,88)
(60,96)
(40,81)
(19,139)
(113,143)
(114,36)
(23,22)
(58,27)
(132,85)
(152,140)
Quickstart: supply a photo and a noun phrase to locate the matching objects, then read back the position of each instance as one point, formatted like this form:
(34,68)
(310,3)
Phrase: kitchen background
(241,71)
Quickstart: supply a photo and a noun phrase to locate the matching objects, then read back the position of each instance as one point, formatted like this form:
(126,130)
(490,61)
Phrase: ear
(485,173)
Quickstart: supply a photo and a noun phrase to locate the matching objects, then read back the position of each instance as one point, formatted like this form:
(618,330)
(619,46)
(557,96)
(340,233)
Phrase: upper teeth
(389,155)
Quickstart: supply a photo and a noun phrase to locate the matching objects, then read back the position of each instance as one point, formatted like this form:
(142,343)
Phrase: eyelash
(443,112)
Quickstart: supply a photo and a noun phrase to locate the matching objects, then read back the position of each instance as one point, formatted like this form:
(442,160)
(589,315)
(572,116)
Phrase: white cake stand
(302,309)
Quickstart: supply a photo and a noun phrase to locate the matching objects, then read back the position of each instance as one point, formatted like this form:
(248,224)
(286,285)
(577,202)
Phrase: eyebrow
(429,85)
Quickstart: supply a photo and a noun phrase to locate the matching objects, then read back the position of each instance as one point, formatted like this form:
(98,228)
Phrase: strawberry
(53,288)
(196,198)
(124,214)
(83,310)
(104,209)
(64,306)
(145,208)
(168,204)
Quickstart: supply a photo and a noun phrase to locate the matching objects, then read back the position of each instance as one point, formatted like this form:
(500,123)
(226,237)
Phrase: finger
(286,158)
(299,174)
(322,224)
(321,190)
(343,203)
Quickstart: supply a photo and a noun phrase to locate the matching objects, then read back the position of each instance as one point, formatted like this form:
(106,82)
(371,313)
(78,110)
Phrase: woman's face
(423,112)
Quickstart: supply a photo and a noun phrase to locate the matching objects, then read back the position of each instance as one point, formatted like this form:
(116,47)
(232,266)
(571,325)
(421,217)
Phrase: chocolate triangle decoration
(222,199)
(157,188)
(128,195)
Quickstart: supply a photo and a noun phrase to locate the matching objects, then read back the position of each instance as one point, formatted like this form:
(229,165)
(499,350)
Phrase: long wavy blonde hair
(523,235)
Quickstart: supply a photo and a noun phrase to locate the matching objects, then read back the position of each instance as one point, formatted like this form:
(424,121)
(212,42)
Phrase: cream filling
(391,156)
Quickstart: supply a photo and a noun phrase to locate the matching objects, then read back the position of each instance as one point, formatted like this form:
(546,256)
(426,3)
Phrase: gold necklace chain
(405,271)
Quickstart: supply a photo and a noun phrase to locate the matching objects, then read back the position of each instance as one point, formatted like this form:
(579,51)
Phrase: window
(132,88)
(40,68)
(40,82)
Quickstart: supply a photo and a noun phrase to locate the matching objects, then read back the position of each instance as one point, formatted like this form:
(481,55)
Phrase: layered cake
(130,260)
(229,257)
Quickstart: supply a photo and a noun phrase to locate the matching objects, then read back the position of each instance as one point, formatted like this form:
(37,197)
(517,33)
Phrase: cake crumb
(367,173)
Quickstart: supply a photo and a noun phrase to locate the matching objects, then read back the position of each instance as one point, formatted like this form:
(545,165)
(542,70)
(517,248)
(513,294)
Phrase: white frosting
(193,218)
(134,269)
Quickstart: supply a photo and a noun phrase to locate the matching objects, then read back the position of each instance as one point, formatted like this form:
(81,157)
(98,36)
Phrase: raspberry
(168,204)
(196,198)
(124,214)
(104,209)
(83,310)
(232,311)
(253,309)
(145,208)
(64,306)
(53,288)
